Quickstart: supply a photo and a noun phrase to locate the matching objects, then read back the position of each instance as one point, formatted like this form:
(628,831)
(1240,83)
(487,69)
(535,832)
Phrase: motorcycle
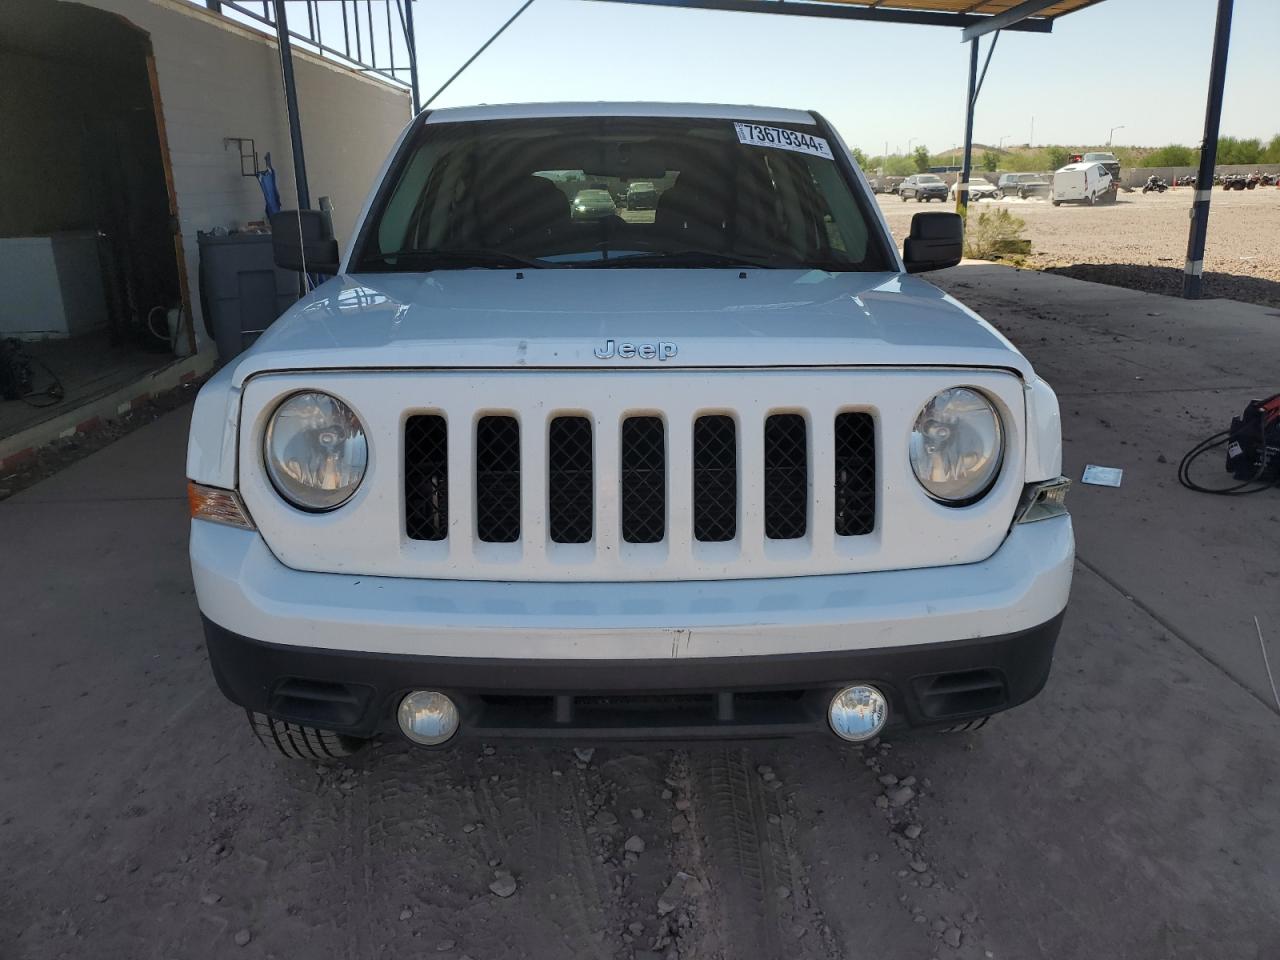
(1155,183)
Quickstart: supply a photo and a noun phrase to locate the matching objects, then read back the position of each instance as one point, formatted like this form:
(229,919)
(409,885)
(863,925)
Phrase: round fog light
(858,713)
(428,717)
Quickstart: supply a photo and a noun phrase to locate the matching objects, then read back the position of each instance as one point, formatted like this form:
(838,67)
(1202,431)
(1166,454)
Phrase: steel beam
(840,11)
(1194,267)
(1015,18)
(970,101)
(291,106)
(411,41)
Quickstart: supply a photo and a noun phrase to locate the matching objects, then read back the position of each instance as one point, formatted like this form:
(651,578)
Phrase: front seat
(527,217)
(693,215)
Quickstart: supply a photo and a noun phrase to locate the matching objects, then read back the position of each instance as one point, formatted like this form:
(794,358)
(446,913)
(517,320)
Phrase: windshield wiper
(424,260)
(680,258)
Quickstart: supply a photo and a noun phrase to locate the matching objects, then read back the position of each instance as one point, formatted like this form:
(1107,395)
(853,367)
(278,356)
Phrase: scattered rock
(209,899)
(504,885)
(952,937)
(406,914)
(584,754)
(919,866)
(939,925)
(679,824)
(888,779)
(683,804)
(901,796)
(606,819)
(908,781)
(912,830)
(243,937)
(782,892)
(99,898)
(444,945)
(971,916)
(666,794)
(674,894)
(636,928)
(634,845)
(637,814)
(882,802)
(468,828)
(489,751)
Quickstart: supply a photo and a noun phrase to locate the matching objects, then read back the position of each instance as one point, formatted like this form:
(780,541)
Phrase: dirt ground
(1127,812)
(1140,241)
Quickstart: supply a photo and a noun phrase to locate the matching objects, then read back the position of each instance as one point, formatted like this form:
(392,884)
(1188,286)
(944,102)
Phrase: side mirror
(303,240)
(936,241)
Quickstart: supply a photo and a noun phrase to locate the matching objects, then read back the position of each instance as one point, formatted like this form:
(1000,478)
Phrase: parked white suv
(722,468)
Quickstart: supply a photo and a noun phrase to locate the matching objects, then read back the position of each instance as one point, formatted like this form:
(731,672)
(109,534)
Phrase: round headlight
(957,445)
(315,451)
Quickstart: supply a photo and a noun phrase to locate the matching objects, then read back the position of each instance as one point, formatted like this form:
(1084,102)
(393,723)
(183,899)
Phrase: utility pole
(1111,132)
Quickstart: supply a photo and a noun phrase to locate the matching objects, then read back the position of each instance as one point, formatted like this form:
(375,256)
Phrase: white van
(1083,183)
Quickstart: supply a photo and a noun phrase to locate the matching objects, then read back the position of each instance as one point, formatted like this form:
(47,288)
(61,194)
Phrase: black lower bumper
(939,684)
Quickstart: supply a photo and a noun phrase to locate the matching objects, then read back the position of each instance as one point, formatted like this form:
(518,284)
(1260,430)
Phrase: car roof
(710,111)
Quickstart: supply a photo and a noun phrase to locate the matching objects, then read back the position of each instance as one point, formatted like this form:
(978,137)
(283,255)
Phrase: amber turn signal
(217,506)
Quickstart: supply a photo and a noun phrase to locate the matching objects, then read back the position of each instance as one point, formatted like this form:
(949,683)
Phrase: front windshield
(929,178)
(618,192)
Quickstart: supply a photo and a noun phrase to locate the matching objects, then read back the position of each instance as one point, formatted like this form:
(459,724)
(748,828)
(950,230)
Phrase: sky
(1142,65)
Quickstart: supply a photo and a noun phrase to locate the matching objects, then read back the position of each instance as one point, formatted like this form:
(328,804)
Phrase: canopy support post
(1191,272)
(291,106)
(962,191)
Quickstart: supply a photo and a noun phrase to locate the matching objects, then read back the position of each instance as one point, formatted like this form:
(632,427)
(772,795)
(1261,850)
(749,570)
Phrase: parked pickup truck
(733,471)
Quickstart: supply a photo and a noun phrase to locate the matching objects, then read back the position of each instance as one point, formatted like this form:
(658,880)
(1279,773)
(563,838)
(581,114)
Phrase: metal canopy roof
(975,17)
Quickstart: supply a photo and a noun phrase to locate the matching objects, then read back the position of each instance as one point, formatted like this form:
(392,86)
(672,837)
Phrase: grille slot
(644,480)
(855,457)
(715,479)
(498,479)
(786,477)
(570,497)
(426,477)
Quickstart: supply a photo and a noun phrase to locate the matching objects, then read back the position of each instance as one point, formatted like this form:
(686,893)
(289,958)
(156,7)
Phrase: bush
(921,157)
(1173,155)
(994,235)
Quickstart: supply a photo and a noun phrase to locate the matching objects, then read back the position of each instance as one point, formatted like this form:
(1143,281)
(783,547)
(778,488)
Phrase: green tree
(899,166)
(1272,153)
(1057,156)
(990,161)
(920,155)
(859,157)
(1235,150)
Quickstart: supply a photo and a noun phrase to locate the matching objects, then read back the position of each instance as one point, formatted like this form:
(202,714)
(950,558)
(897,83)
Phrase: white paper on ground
(1102,476)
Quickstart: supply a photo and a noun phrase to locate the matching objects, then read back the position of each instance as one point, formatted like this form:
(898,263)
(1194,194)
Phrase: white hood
(560,318)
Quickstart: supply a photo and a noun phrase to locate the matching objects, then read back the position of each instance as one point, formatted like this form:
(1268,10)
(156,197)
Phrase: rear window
(619,191)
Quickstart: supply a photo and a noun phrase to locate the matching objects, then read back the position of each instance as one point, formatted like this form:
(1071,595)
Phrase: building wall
(217,80)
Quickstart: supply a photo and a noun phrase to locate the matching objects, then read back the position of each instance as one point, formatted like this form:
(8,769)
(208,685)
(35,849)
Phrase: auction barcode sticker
(755,135)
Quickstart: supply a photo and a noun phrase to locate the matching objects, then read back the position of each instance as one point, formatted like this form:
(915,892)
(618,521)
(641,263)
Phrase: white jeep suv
(718,468)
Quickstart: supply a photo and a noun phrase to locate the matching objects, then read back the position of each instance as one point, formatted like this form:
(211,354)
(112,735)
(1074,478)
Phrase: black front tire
(303,743)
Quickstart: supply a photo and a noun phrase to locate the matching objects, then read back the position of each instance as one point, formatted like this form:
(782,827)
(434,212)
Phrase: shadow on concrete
(1168,281)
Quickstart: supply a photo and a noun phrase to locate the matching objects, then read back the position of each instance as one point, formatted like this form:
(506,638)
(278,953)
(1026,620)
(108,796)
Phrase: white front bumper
(243,588)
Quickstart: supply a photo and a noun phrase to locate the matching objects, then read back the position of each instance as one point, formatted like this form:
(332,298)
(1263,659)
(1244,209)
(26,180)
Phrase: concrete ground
(1128,812)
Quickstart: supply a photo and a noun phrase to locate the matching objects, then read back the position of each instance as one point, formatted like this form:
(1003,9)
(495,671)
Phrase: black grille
(715,479)
(570,502)
(498,479)
(426,478)
(786,477)
(644,480)
(855,451)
